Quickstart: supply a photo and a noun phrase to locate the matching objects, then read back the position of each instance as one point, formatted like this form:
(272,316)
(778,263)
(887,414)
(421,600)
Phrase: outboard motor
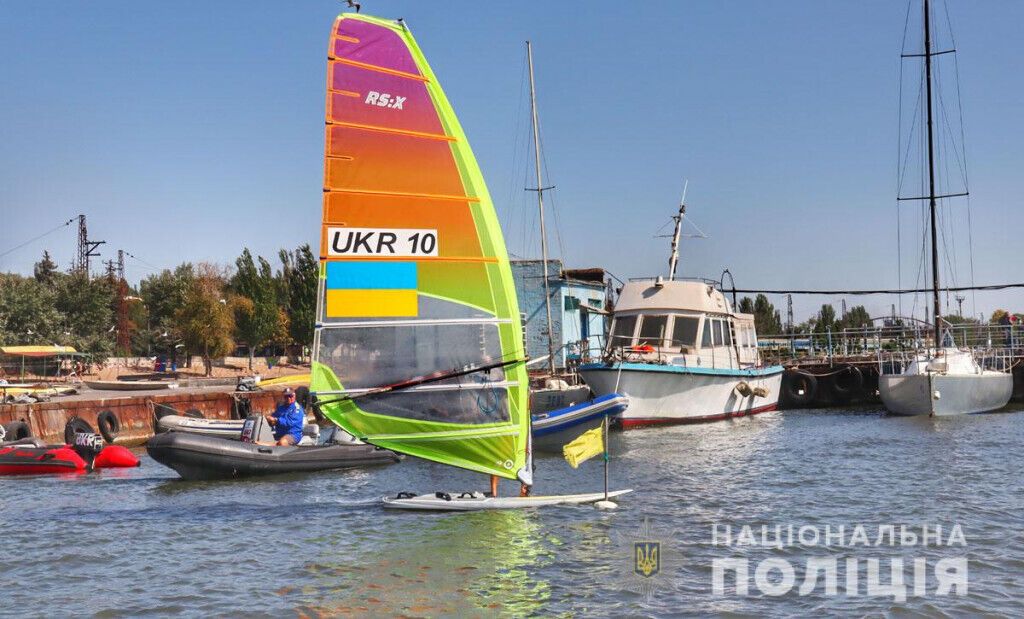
(256,430)
(88,445)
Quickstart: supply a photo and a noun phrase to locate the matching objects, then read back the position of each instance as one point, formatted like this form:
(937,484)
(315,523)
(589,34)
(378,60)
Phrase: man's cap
(288,391)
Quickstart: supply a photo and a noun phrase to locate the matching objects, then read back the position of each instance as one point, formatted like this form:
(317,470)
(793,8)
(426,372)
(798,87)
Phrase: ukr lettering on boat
(381,242)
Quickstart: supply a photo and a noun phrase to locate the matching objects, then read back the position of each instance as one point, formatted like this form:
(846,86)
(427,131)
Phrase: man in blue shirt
(287,420)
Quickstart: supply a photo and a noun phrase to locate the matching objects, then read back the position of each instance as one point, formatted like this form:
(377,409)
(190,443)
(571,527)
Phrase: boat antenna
(540,208)
(673,258)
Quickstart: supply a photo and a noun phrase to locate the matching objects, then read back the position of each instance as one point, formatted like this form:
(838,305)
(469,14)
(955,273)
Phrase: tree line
(194,309)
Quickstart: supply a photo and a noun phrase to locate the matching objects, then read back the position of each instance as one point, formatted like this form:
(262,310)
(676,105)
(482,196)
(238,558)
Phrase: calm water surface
(137,542)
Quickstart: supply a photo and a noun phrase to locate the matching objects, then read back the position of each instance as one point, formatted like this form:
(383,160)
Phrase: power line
(867,292)
(36,238)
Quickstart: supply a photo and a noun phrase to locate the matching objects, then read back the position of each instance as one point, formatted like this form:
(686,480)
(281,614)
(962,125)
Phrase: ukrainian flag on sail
(371,289)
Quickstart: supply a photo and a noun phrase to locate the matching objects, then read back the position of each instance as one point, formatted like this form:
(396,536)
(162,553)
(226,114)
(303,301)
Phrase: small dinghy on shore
(202,457)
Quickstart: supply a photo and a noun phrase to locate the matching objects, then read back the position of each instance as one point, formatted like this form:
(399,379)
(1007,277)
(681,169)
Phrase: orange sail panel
(415,280)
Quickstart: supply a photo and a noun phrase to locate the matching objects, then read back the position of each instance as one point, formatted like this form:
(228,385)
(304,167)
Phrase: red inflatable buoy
(115,456)
(17,460)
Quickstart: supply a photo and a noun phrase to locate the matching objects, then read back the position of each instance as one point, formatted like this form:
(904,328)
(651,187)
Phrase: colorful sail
(418,342)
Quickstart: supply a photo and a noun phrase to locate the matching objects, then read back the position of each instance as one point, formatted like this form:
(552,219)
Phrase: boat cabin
(680,322)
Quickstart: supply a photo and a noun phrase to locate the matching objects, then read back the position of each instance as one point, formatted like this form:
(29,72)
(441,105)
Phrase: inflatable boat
(224,428)
(554,429)
(31,456)
(198,457)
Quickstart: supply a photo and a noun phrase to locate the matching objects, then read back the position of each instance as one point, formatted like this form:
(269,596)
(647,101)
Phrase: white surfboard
(468,502)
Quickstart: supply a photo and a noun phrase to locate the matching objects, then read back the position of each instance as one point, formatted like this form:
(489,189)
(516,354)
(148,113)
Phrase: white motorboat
(682,354)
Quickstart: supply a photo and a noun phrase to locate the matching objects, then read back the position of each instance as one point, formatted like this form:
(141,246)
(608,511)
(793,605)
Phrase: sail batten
(418,344)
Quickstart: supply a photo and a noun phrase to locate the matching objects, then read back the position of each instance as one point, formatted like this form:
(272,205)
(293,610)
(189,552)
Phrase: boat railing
(849,344)
(993,359)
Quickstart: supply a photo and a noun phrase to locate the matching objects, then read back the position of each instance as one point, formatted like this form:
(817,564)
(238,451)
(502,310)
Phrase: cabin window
(684,331)
(718,332)
(571,303)
(622,330)
(652,330)
(727,331)
(705,339)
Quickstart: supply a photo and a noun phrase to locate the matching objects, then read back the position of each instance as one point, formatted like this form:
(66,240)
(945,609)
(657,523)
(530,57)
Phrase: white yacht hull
(958,394)
(660,394)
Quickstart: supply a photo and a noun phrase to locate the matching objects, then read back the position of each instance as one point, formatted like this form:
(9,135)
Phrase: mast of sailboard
(540,207)
(936,307)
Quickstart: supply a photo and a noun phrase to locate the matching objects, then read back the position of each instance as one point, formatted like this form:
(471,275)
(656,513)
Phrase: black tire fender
(800,388)
(109,425)
(76,425)
(16,430)
(847,382)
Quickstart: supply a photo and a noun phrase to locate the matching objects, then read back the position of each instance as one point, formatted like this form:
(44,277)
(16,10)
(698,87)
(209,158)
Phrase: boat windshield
(684,331)
(652,330)
(622,330)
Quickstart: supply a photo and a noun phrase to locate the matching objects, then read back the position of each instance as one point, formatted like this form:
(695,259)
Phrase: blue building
(577,308)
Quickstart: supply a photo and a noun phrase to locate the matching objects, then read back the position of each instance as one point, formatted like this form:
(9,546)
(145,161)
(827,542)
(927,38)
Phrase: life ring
(799,388)
(109,425)
(16,430)
(195,413)
(76,425)
(847,383)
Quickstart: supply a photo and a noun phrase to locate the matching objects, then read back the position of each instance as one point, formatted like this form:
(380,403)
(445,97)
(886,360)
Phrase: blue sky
(188,130)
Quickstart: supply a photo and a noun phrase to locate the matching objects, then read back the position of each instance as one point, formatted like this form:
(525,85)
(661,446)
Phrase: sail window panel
(705,339)
(468,406)
(376,161)
(652,330)
(623,328)
(684,331)
(364,97)
(370,357)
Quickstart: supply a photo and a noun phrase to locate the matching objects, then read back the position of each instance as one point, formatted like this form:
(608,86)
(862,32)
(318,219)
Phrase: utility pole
(789,313)
(960,304)
(123,337)
(86,248)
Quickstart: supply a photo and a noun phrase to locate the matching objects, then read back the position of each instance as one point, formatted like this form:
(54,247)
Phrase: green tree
(28,313)
(45,270)
(857,318)
(300,274)
(88,318)
(259,322)
(766,318)
(162,295)
(826,319)
(746,306)
(204,319)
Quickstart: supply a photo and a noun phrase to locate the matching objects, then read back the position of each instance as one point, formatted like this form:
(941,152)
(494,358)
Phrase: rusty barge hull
(135,412)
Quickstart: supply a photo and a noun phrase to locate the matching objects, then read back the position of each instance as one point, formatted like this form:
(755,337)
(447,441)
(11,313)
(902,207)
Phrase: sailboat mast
(540,208)
(936,307)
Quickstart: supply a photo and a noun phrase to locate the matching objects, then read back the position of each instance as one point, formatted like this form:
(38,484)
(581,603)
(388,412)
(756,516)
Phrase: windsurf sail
(418,344)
